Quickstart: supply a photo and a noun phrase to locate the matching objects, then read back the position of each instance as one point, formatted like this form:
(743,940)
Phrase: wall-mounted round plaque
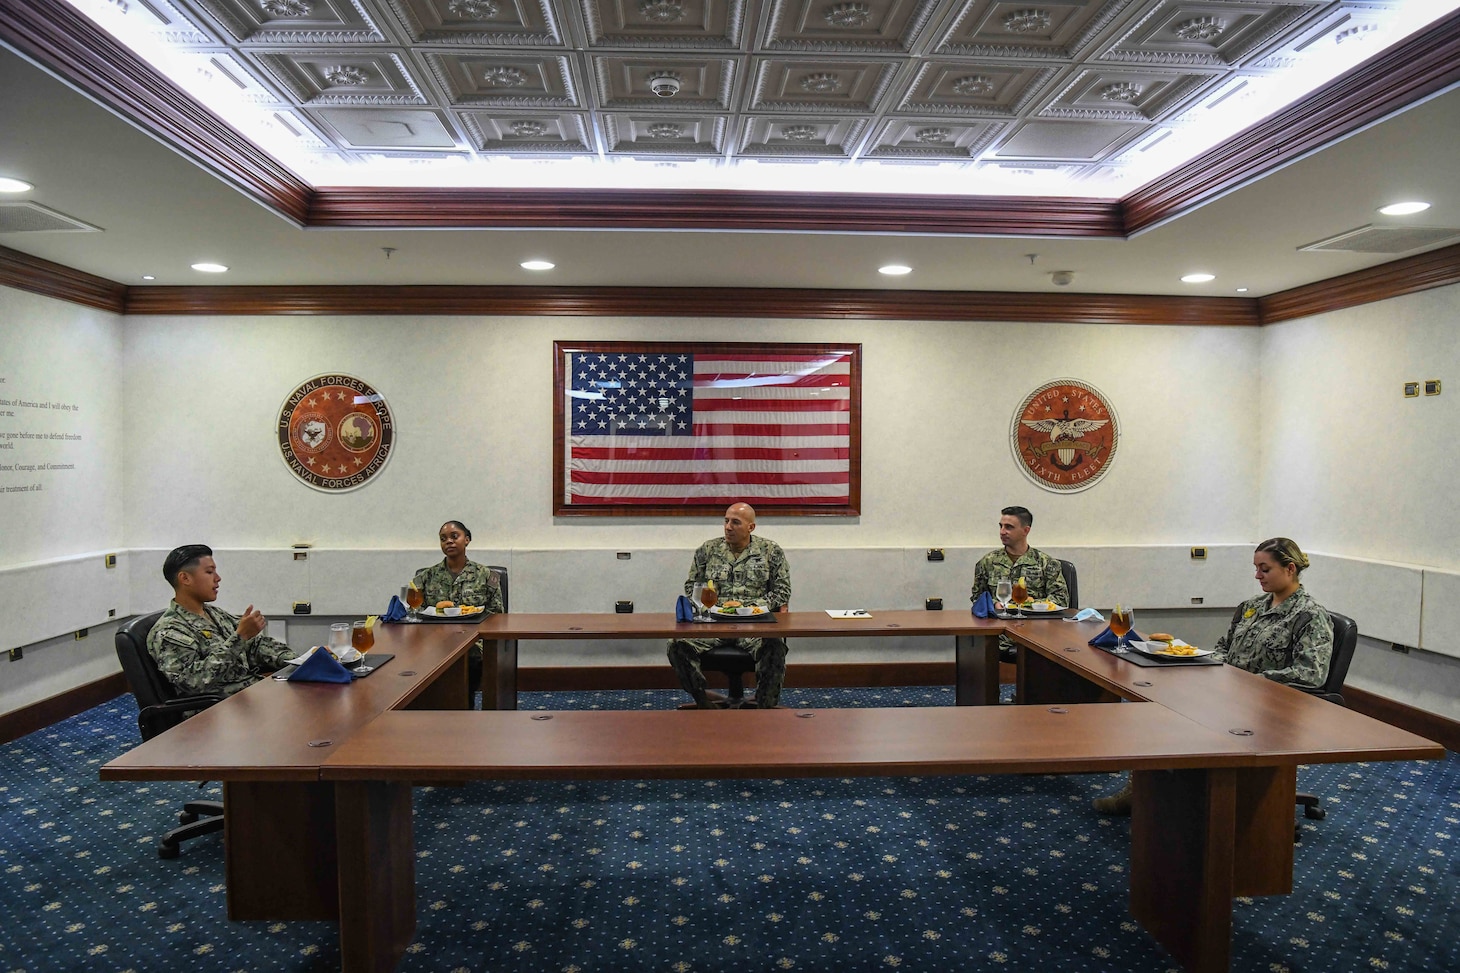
(1064,435)
(335,432)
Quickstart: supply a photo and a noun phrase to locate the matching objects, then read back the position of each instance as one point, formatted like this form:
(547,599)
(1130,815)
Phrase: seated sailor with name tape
(203,649)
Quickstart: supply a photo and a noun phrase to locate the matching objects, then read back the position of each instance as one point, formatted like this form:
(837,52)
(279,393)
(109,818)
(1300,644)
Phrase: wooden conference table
(1214,753)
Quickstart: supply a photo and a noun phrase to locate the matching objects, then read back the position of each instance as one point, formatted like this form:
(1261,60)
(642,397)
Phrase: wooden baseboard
(567,678)
(38,716)
(1433,726)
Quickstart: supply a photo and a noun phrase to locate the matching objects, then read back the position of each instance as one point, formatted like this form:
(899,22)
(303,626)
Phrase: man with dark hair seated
(1014,560)
(202,649)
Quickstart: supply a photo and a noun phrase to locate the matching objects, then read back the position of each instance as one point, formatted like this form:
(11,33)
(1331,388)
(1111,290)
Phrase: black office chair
(734,663)
(474,665)
(1345,640)
(161,708)
(1072,582)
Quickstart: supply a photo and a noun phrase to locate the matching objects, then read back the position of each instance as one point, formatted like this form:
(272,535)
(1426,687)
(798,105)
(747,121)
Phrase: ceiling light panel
(1095,97)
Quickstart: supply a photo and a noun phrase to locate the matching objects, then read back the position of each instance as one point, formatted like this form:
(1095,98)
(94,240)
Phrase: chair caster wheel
(168,851)
(1314,813)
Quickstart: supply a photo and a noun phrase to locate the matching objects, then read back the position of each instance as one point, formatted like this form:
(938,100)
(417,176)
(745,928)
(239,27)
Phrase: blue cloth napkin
(320,667)
(395,611)
(1107,640)
(684,609)
(983,606)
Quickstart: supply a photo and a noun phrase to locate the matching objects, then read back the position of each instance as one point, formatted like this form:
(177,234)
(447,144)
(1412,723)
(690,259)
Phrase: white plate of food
(453,612)
(1041,608)
(1174,649)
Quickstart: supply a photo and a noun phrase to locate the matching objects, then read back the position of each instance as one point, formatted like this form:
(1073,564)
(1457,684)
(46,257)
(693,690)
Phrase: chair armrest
(152,720)
(1331,697)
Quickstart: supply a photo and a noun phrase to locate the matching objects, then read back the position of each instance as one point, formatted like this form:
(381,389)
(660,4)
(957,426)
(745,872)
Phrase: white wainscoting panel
(1439,629)
(52,598)
(1383,598)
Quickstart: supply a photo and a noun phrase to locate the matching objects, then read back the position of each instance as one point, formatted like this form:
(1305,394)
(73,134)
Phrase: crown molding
(658,209)
(1423,64)
(27,273)
(718,302)
(1438,268)
(63,41)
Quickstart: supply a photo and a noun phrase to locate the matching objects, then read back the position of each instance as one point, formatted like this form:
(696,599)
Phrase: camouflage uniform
(1290,644)
(757,575)
(475,585)
(1041,574)
(203,653)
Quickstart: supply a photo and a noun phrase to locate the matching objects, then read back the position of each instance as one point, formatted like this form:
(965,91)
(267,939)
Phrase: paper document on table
(848,613)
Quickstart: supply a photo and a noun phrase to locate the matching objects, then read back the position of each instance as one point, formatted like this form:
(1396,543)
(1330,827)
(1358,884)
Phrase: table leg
(377,877)
(976,670)
(499,674)
(1183,843)
(1266,797)
(279,850)
(1043,681)
(447,690)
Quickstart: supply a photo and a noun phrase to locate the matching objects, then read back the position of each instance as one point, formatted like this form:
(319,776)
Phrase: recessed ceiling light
(1241,290)
(148,277)
(538,265)
(1198,278)
(895,270)
(1404,209)
(8,185)
(210,268)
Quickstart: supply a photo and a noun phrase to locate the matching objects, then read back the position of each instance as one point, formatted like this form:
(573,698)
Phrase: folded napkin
(320,667)
(684,609)
(1107,640)
(983,606)
(395,611)
(1087,615)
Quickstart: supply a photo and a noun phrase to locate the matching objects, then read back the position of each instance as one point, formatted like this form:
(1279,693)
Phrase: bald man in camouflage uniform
(748,569)
(201,649)
(1290,644)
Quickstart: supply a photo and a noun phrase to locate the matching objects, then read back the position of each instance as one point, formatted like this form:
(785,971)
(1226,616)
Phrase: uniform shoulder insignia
(1249,613)
(176,637)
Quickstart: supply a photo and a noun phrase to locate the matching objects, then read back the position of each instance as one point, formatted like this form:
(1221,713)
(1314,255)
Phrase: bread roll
(445,604)
(1160,637)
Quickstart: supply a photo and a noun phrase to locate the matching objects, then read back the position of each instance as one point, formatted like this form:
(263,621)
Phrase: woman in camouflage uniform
(1282,634)
(466,583)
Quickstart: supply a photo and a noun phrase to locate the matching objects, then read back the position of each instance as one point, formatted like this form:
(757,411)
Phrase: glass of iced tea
(362,637)
(1122,619)
(414,599)
(709,596)
(1021,591)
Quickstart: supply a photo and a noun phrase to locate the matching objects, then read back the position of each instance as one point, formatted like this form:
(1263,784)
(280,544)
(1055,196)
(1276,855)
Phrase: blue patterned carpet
(969,873)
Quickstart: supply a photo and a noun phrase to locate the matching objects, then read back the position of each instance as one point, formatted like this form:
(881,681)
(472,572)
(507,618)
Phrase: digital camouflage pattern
(1291,643)
(1040,571)
(476,585)
(203,654)
(758,575)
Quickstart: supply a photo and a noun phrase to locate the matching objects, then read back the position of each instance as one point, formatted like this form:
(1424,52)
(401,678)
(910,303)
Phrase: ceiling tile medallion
(1063,29)
(799,137)
(1123,95)
(973,88)
(787,84)
(343,78)
(660,135)
(479,23)
(912,138)
(524,80)
(293,21)
(848,26)
(383,128)
(665,24)
(548,134)
(624,81)
(1216,34)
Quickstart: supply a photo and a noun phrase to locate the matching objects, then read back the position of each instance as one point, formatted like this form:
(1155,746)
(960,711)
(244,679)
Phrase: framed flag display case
(687,428)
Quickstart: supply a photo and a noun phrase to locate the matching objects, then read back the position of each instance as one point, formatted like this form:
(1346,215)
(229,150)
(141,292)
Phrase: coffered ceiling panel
(1095,93)
(665,24)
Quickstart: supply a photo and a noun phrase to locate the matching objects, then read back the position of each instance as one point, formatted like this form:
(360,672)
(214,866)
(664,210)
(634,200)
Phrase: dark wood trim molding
(69,45)
(1438,268)
(698,301)
(1433,726)
(27,273)
(38,716)
(655,209)
(569,678)
(1425,63)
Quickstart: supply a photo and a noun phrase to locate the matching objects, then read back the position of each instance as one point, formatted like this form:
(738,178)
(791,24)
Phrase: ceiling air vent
(1385,239)
(35,218)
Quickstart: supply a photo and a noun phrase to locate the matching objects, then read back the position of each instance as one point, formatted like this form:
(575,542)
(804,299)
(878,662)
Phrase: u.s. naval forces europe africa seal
(335,432)
(1064,435)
